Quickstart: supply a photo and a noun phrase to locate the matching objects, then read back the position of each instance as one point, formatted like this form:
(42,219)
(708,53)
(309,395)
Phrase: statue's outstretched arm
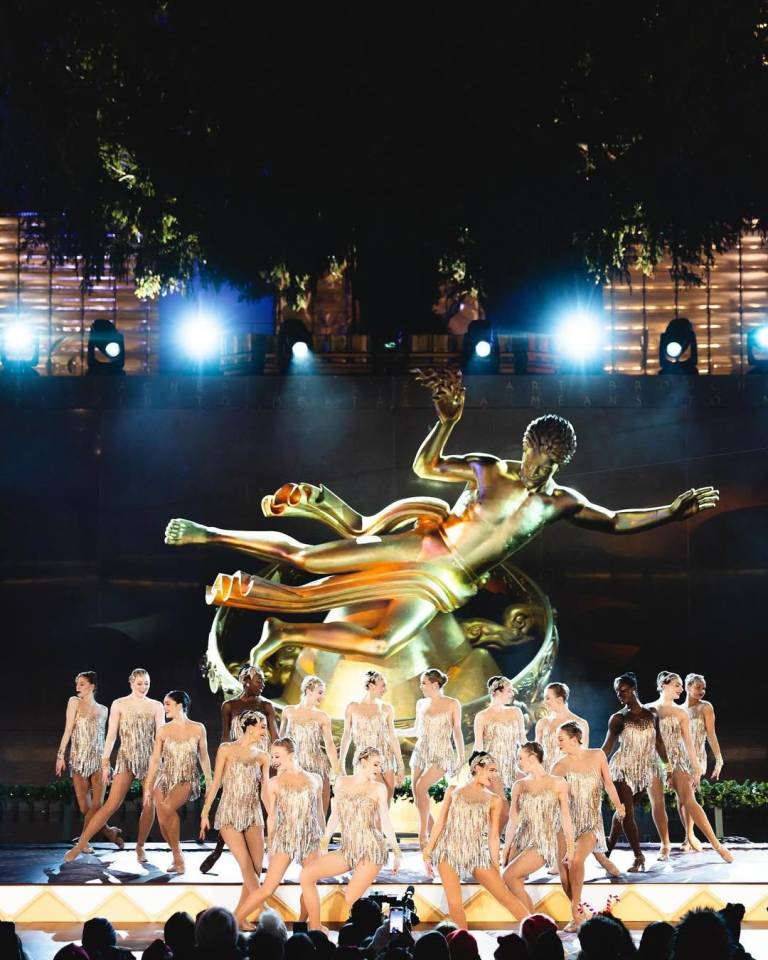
(321,504)
(448,396)
(585,514)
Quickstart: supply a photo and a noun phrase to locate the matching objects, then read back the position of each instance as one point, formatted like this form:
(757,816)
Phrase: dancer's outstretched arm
(709,723)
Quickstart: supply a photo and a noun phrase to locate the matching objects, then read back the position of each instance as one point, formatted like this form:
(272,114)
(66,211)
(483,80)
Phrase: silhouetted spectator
(264,945)
(98,934)
(215,934)
(71,952)
(10,943)
(655,941)
(364,919)
(299,947)
(605,938)
(548,946)
(702,935)
(533,926)
(271,921)
(445,927)
(157,950)
(462,945)
(511,947)
(431,946)
(326,949)
(179,934)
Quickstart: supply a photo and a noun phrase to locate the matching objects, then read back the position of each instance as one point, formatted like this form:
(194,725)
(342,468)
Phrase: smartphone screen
(299,926)
(396,919)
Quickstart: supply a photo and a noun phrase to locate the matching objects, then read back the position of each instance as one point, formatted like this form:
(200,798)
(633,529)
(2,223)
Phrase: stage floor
(38,889)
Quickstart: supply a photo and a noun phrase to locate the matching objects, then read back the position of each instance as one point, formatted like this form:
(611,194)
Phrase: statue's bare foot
(290,495)
(271,640)
(179,533)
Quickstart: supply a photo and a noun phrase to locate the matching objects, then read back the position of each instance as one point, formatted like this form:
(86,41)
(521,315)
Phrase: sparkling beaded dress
(548,741)
(361,837)
(538,824)
(178,764)
(672,735)
(87,744)
(501,739)
(585,801)
(137,739)
(240,803)
(373,731)
(434,743)
(635,760)
(463,841)
(699,733)
(307,736)
(297,830)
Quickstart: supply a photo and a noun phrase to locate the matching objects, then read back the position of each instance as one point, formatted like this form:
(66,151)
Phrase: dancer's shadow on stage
(89,869)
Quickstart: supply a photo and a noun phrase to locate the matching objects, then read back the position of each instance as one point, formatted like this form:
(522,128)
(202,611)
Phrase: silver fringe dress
(434,743)
(635,760)
(87,744)
(463,841)
(501,740)
(137,739)
(297,830)
(361,837)
(178,764)
(672,735)
(373,731)
(538,824)
(585,801)
(240,803)
(307,736)
(551,747)
(699,733)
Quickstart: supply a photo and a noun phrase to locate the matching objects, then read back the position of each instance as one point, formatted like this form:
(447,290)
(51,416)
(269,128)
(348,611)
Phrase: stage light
(201,338)
(294,346)
(106,349)
(579,339)
(757,349)
(678,352)
(19,348)
(480,348)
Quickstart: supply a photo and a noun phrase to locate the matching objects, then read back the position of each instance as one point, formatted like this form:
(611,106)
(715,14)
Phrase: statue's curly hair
(555,435)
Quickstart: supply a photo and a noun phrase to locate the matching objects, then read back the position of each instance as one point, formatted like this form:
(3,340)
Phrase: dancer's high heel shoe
(724,852)
(608,865)
(115,835)
(664,852)
(638,866)
(141,855)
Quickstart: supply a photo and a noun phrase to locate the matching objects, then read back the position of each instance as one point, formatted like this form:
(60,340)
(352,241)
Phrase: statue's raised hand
(691,502)
(447,388)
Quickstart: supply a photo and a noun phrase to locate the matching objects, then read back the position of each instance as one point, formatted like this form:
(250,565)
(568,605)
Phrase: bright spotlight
(112,349)
(678,349)
(106,349)
(483,348)
(580,338)
(480,348)
(300,351)
(19,347)
(761,337)
(201,338)
(294,346)
(757,349)
(674,349)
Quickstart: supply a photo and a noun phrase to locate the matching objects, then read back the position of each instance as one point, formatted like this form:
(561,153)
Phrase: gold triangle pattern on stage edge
(641,903)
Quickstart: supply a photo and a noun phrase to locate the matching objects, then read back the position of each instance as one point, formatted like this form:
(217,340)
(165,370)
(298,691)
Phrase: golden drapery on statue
(390,585)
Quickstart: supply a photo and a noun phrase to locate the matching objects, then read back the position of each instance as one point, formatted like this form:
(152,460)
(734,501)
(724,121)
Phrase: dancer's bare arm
(709,724)
(591,516)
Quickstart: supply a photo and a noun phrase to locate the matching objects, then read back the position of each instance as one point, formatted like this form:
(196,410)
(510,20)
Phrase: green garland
(726,794)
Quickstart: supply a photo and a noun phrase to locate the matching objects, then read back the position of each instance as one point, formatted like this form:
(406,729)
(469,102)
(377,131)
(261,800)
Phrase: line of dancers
(277,780)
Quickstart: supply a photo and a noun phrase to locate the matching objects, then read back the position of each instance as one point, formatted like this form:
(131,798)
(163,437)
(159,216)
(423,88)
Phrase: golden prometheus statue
(392,581)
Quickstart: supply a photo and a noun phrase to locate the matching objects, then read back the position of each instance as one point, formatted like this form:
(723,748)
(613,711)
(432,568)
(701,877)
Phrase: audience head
(299,947)
(325,948)
(511,946)
(157,950)
(445,927)
(431,946)
(98,934)
(548,946)
(265,945)
(605,937)
(366,914)
(462,945)
(216,929)
(10,943)
(702,933)
(71,952)
(271,921)
(655,941)
(537,923)
(179,934)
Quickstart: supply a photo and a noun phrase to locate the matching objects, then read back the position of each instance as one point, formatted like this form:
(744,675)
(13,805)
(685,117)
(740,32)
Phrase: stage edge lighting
(106,349)
(19,347)
(678,352)
(757,349)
